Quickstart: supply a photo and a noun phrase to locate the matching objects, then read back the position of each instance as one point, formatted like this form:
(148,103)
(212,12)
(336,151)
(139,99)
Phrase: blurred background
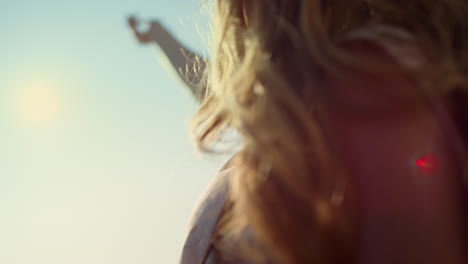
(96,162)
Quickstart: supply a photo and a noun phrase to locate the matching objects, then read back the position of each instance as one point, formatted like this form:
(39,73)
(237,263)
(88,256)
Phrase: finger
(133,22)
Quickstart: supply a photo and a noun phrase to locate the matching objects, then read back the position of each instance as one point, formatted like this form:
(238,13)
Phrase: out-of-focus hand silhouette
(186,63)
(151,35)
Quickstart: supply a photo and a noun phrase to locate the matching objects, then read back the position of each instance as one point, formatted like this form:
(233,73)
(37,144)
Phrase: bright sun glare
(38,103)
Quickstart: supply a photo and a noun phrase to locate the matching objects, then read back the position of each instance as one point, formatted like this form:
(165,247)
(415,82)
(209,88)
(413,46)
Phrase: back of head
(267,79)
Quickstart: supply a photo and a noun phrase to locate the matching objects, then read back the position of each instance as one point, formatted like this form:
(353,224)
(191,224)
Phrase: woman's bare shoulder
(205,216)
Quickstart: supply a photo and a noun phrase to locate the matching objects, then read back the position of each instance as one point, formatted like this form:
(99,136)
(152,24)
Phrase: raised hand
(187,64)
(152,35)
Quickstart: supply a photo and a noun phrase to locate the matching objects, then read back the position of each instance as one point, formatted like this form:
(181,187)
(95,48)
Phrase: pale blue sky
(96,163)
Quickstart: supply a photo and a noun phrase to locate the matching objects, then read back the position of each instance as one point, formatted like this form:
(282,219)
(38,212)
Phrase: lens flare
(428,164)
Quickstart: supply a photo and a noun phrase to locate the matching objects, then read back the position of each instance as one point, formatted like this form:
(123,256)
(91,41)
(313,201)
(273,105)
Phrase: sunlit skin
(38,103)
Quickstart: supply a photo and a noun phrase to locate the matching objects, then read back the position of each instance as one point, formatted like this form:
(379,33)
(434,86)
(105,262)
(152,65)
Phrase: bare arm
(188,64)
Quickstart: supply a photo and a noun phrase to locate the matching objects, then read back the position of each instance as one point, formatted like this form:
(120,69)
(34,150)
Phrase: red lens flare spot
(428,164)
